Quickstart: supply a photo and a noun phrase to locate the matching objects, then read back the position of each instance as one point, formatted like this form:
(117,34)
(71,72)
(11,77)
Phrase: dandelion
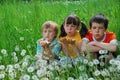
(23,52)
(44,79)
(102,63)
(81,68)
(30,69)
(118,67)
(96,73)
(96,61)
(2,75)
(57,78)
(91,79)
(49,74)
(3,51)
(111,69)
(2,67)
(112,61)
(21,38)
(70,78)
(13,53)
(17,48)
(41,73)
(15,58)
(24,64)
(118,57)
(34,77)
(17,66)
(90,64)
(85,61)
(26,77)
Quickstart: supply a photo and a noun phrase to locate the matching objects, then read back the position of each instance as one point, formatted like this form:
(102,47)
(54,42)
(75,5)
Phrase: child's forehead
(47,28)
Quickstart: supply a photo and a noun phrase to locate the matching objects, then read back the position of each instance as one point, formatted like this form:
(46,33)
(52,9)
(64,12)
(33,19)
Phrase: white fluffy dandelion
(30,69)
(91,79)
(26,77)
(2,67)
(4,51)
(70,78)
(96,73)
(34,77)
(17,48)
(2,76)
(23,52)
(96,61)
(24,64)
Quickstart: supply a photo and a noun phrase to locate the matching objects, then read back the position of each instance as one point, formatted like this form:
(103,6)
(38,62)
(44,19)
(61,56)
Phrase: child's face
(48,34)
(98,30)
(70,29)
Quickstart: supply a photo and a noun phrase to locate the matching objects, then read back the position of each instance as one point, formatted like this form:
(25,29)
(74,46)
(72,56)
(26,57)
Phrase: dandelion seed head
(17,48)
(26,77)
(34,77)
(24,64)
(4,51)
(16,66)
(96,61)
(44,78)
(23,52)
(70,78)
(96,73)
(91,79)
(90,64)
(2,67)
(30,69)
(2,76)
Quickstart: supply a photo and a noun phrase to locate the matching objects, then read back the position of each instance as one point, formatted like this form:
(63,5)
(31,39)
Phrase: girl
(48,46)
(71,35)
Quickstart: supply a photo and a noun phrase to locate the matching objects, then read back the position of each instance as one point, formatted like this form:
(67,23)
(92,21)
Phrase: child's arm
(65,47)
(105,46)
(46,51)
(89,47)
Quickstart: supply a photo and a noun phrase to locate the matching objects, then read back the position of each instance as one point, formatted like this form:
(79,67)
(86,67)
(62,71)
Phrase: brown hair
(51,24)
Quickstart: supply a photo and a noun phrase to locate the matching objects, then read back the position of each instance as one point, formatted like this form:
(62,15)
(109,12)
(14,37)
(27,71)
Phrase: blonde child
(71,35)
(48,46)
(99,38)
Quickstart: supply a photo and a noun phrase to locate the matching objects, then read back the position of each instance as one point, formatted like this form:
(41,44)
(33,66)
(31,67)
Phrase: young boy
(98,37)
(48,46)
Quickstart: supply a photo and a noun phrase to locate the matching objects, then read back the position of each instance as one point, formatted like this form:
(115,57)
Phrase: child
(99,38)
(48,46)
(71,35)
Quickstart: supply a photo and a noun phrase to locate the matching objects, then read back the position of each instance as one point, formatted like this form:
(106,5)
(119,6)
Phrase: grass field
(20,22)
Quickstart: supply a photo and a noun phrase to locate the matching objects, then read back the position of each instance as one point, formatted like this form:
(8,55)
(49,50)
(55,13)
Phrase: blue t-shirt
(55,46)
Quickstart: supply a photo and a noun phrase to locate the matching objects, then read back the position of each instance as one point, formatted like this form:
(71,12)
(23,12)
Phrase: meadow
(20,28)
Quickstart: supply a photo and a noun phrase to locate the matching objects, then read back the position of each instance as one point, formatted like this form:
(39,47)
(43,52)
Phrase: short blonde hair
(51,24)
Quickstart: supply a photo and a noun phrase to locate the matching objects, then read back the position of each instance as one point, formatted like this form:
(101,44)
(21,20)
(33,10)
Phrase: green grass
(24,20)
(20,19)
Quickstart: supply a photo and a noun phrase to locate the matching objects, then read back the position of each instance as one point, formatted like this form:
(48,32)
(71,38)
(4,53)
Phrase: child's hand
(67,41)
(44,43)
